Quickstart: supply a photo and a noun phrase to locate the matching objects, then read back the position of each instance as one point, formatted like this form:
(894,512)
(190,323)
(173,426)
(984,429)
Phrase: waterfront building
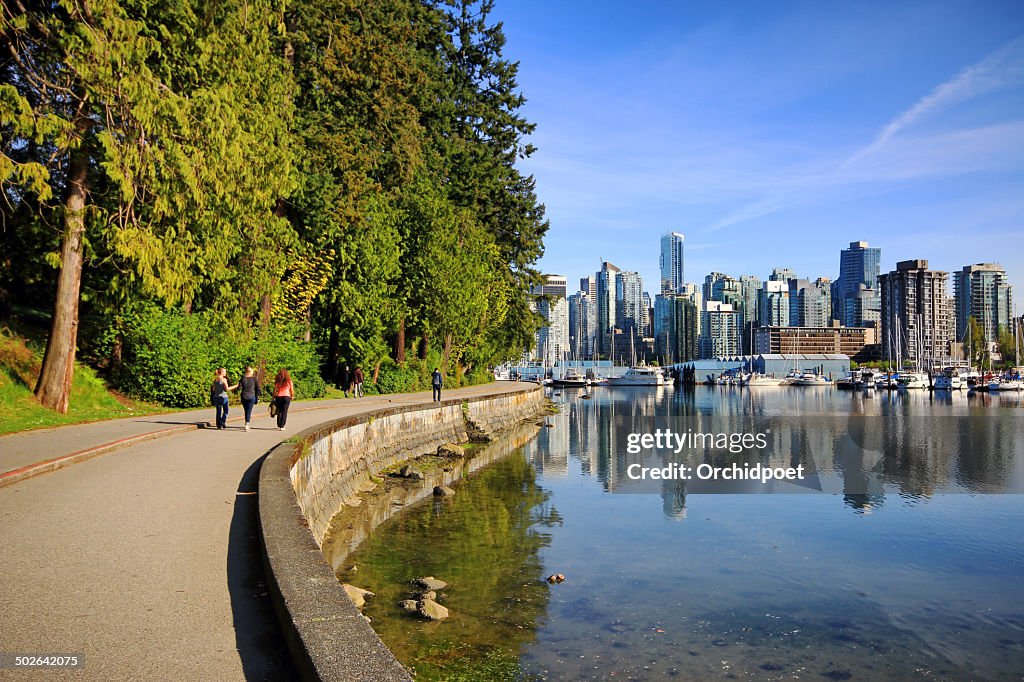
(859,343)
(773,303)
(832,365)
(582,320)
(630,310)
(810,303)
(692,293)
(982,291)
(671,263)
(917,314)
(719,330)
(857,299)
(551,342)
(606,283)
(647,325)
(676,323)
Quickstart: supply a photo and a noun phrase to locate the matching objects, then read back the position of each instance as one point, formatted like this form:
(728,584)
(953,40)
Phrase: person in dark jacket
(344,382)
(437,381)
(357,383)
(247,392)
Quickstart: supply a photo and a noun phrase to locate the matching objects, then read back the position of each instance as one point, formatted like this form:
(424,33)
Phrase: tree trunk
(424,346)
(333,352)
(446,354)
(54,387)
(400,342)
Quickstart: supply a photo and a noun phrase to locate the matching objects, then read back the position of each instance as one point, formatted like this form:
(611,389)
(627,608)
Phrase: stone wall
(336,463)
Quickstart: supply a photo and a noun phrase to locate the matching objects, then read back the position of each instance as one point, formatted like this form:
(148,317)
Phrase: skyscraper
(671,263)
(857,287)
(552,340)
(810,303)
(982,291)
(607,284)
(581,325)
(719,330)
(630,311)
(917,313)
(773,304)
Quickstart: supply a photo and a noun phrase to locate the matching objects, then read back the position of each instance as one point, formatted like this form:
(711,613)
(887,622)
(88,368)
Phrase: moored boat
(639,376)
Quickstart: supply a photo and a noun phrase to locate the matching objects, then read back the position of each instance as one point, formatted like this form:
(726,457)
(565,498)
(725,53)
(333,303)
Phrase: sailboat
(1011,380)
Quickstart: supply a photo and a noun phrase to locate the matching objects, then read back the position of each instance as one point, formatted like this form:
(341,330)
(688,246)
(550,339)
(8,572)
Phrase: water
(911,567)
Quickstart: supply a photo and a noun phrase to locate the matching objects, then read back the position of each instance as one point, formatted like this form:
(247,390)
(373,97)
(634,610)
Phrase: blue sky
(772,134)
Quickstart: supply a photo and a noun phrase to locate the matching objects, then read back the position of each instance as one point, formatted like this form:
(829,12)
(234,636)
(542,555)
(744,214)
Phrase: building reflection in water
(858,446)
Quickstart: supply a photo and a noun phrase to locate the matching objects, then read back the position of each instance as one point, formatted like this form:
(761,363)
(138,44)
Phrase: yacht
(1007,382)
(639,376)
(571,379)
(763,380)
(910,380)
(949,380)
(810,379)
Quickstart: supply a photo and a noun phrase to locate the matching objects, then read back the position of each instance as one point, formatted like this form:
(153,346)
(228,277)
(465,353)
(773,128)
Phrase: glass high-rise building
(605,304)
(552,340)
(982,291)
(671,263)
(857,297)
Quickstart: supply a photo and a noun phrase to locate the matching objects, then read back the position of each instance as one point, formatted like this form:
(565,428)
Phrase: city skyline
(770,135)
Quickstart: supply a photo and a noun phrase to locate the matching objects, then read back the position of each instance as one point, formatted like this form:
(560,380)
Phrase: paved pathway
(146,559)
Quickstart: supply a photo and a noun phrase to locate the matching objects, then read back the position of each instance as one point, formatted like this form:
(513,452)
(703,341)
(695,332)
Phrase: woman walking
(219,397)
(247,391)
(284,391)
(357,383)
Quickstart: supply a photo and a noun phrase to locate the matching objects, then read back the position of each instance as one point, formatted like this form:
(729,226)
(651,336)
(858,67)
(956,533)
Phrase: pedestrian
(219,397)
(284,391)
(437,381)
(344,380)
(248,393)
(357,383)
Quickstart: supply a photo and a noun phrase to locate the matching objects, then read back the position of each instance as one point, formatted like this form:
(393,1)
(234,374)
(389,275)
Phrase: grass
(91,399)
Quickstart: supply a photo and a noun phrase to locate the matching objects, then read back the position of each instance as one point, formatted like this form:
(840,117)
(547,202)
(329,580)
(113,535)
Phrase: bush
(169,357)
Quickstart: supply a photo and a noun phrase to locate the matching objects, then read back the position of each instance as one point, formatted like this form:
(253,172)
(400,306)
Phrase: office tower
(629,305)
(810,303)
(773,304)
(692,293)
(552,340)
(750,286)
(581,325)
(982,291)
(671,263)
(607,284)
(856,290)
(675,336)
(719,330)
(781,275)
(588,285)
(917,314)
(647,324)
(709,284)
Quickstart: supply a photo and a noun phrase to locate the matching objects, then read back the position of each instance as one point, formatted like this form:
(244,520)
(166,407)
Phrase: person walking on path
(357,386)
(344,380)
(437,381)
(284,391)
(247,386)
(219,397)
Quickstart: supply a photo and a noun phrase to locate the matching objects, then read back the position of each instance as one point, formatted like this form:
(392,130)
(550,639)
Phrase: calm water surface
(912,567)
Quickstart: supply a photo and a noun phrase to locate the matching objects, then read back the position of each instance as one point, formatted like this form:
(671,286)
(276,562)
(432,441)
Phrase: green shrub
(169,357)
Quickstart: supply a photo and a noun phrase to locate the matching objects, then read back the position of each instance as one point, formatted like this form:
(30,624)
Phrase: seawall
(306,482)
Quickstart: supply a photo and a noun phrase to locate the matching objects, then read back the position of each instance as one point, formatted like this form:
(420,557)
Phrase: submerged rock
(428,608)
(430,583)
(451,450)
(409,605)
(429,595)
(357,594)
(556,578)
(443,491)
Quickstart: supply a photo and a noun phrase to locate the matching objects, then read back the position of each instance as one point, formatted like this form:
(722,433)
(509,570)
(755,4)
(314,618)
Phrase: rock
(430,583)
(429,595)
(556,578)
(357,595)
(443,491)
(416,475)
(405,471)
(367,618)
(451,450)
(409,605)
(428,608)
